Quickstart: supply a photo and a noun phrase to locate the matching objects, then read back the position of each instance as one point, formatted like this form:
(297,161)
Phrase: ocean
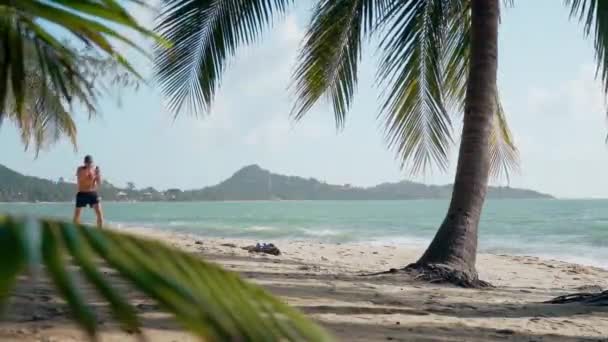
(568,230)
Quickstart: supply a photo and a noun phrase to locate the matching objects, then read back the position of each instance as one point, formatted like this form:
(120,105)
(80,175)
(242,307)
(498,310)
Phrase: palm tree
(437,57)
(427,47)
(40,78)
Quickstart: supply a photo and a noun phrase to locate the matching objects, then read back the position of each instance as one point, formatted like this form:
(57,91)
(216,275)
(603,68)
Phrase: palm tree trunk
(451,255)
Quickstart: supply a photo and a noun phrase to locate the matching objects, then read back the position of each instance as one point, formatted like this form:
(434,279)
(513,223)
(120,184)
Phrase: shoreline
(416,245)
(324,281)
(315,200)
(381,249)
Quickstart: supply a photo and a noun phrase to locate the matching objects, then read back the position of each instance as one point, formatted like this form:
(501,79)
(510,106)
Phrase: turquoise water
(570,230)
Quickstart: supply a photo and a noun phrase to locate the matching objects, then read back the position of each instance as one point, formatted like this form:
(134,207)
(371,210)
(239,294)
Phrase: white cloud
(145,15)
(560,134)
(253,101)
(279,132)
(290,31)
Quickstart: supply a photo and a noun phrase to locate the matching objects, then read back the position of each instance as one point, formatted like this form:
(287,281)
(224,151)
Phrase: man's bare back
(88,179)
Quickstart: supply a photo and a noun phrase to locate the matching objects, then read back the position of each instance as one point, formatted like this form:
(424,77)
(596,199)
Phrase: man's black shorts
(84,199)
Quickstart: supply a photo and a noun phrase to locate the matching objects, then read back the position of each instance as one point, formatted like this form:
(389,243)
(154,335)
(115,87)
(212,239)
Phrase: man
(88,179)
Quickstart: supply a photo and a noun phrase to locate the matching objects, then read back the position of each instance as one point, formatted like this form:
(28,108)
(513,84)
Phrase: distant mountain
(248,184)
(15,187)
(254,183)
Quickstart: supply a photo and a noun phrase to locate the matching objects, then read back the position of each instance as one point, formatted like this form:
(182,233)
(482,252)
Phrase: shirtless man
(88,179)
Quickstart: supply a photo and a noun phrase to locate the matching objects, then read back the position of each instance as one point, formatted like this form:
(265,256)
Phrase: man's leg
(99,214)
(77,211)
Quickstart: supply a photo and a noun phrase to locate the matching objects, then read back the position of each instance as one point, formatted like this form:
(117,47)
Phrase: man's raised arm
(97,176)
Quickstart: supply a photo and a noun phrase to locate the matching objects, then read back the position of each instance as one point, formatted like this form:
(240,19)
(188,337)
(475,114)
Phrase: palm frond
(51,79)
(329,59)
(418,126)
(504,156)
(594,16)
(26,30)
(203,34)
(456,55)
(43,118)
(214,304)
(508,3)
(107,74)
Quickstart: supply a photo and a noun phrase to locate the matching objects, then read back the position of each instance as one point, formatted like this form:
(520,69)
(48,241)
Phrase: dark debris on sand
(263,248)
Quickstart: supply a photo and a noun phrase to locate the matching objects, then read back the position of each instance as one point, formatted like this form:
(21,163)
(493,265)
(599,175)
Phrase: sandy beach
(324,280)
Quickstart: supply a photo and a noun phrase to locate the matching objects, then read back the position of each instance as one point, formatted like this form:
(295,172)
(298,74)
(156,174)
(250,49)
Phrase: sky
(555,108)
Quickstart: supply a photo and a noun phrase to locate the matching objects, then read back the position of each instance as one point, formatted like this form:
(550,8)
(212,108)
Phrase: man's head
(88,160)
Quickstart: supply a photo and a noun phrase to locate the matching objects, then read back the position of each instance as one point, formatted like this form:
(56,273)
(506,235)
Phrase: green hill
(254,183)
(249,183)
(15,187)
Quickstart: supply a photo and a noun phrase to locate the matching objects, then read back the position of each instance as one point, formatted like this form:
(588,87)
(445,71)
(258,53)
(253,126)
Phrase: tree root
(444,274)
(439,274)
(598,298)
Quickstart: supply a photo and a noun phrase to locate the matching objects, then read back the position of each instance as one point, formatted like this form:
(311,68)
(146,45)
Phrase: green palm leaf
(418,125)
(504,156)
(328,61)
(594,16)
(48,76)
(203,34)
(215,304)
(424,71)
(26,30)
(45,117)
